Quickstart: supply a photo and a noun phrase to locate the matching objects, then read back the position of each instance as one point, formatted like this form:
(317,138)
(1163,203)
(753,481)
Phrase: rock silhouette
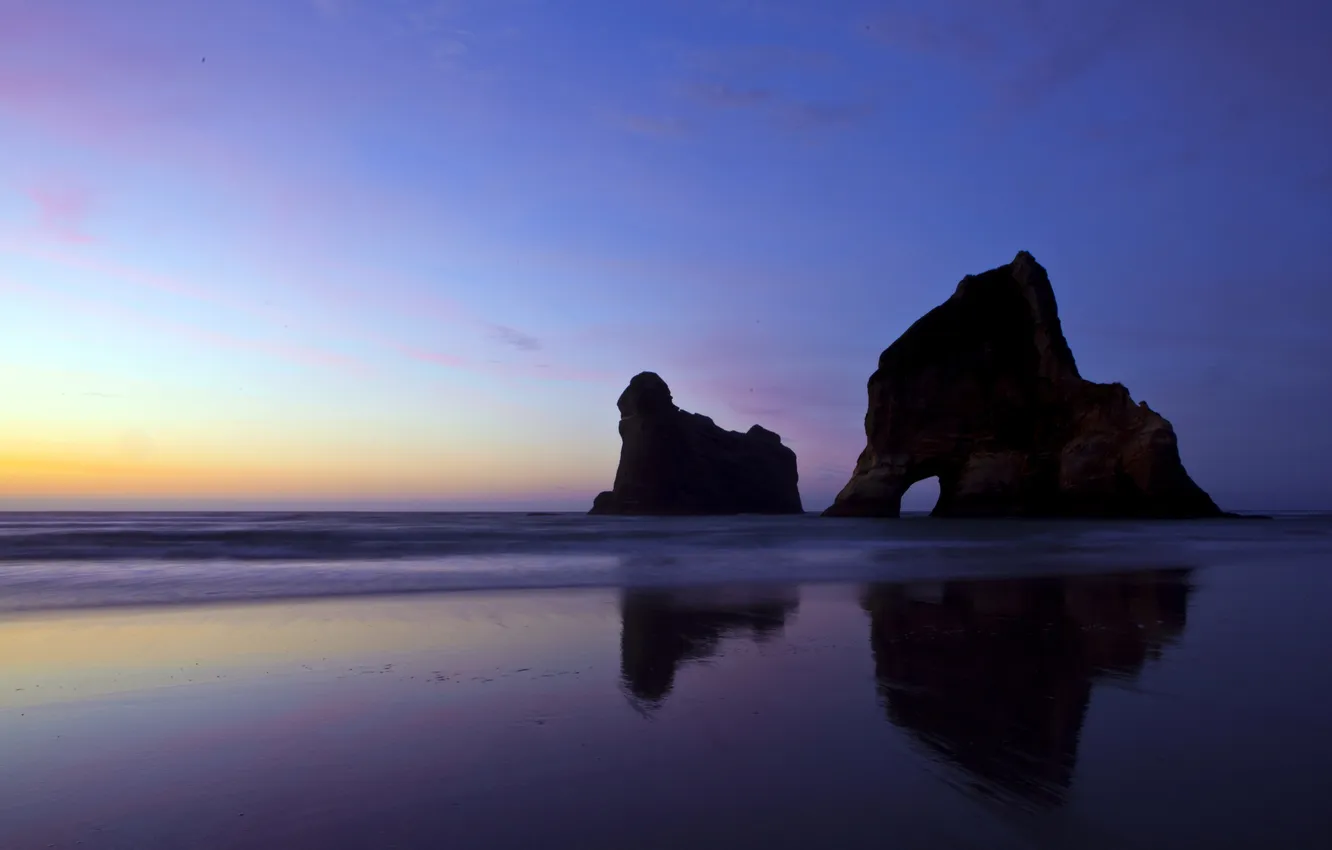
(660,630)
(984,393)
(674,462)
(995,676)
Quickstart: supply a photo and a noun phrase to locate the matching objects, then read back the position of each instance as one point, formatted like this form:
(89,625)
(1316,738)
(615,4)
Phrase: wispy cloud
(1190,77)
(515,338)
(376,293)
(818,415)
(921,31)
(820,116)
(434,16)
(743,376)
(333,9)
(83,261)
(438,22)
(61,211)
(99,88)
(728,97)
(763,82)
(123,315)
(653,126)
(1074,55)
(1058,45)
(808,396)
(539,372)
(773,106)
(751,59)
(438,358)
(1025,51)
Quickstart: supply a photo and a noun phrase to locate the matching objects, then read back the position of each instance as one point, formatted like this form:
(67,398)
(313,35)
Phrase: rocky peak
(984,393)
(646,394)
(986,294)
(675,462)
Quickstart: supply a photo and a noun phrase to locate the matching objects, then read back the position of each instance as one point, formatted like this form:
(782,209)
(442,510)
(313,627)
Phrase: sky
(407,253)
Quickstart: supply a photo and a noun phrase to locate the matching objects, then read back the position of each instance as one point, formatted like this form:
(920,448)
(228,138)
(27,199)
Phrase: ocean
(507,681)
(57,560)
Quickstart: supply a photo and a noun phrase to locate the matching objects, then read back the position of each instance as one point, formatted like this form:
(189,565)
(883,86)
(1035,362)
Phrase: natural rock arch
(983,392)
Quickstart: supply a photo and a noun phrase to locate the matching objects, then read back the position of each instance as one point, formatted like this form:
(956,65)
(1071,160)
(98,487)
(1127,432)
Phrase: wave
(92,559)
(377,536)
(365,536)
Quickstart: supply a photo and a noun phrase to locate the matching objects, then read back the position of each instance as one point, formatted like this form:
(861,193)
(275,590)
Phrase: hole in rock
(920,497)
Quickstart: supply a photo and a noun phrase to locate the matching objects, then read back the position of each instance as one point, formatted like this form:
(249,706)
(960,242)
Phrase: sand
(1129,711)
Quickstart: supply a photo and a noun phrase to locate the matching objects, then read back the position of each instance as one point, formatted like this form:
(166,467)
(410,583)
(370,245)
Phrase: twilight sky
(409,252)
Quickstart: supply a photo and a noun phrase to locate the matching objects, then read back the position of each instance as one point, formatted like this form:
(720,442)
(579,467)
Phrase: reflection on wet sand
(662,629)
(996,675)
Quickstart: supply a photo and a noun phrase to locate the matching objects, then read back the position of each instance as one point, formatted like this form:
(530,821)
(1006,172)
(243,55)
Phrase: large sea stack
(678,463)
(984,393)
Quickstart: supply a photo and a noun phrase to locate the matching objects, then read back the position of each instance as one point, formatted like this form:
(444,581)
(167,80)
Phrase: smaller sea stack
(677,463)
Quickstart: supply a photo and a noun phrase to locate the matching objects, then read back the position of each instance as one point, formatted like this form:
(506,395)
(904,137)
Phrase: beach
(741,425)
(1157,706)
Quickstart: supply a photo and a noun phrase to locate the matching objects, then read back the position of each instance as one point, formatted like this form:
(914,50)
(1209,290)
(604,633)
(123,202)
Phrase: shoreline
(963,712)
(105,561)
(714,583)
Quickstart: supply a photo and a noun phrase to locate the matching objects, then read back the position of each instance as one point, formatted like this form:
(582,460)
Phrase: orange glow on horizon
(44,472)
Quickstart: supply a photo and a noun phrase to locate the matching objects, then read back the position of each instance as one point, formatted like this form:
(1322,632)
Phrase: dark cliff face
(983,392)
(674,462)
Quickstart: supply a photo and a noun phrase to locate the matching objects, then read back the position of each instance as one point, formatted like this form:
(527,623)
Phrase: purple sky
(409,252)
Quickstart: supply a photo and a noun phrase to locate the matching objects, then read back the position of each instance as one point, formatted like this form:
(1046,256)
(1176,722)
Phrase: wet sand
(1139,710)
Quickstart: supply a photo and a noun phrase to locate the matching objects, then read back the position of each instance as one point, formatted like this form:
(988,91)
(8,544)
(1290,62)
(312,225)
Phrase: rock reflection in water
(996,675)
(662,629)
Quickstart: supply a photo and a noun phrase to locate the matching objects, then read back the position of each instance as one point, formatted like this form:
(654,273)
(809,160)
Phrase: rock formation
(984,393)
(673,462)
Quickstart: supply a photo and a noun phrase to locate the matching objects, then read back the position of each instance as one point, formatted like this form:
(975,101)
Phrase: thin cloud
(729,97)
(515,338)
(743,376)
(1061,44)
(122,315)
(755,78)
(436,16)
(777,107)
(62,212)
(1058,46)
(542,371)
(923,32)
(820,116)
(438,358)
(655,127)
(149,280)
(1073,58)
(754,59)
(330,8)
(1190,76)
(138,277)
(411,297)
(437,23)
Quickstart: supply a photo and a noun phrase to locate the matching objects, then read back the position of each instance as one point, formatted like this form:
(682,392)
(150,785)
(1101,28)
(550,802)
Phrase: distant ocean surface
(57,560)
